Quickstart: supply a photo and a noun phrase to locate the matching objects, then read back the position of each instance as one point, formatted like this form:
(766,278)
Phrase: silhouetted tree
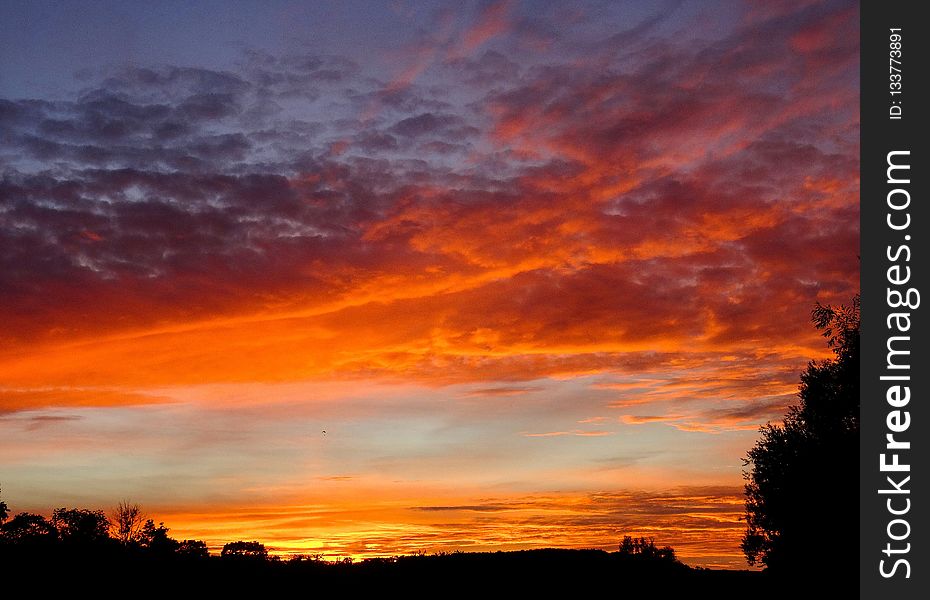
(4,512)
(156,540)
(26,529)
(803,474)
(192,549)
(81,526)
(240,549)
(128,521)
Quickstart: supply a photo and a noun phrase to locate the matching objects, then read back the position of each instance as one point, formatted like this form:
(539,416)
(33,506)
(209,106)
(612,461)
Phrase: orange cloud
(14,400)
(491,22)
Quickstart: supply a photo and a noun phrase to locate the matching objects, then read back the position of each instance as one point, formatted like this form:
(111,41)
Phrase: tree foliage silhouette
(81,526)
(193,549)
(4,512)
(27,529)
(240,549)
(645,549)
(803,474)
(156,539)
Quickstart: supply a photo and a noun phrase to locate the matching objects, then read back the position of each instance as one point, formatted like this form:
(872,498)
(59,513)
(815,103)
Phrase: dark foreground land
(486,575)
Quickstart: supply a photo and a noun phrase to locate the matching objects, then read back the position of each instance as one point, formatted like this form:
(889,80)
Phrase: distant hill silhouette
(488,574)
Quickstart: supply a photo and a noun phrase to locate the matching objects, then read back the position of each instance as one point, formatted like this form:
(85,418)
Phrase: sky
(375,278)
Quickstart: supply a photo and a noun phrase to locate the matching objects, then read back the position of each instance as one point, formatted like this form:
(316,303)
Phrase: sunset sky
(372,278)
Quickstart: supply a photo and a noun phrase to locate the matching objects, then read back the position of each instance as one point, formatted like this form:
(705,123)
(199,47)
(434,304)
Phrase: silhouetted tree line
(246,550)
(76,547)
(90,531)
(645,549)
(130,532)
